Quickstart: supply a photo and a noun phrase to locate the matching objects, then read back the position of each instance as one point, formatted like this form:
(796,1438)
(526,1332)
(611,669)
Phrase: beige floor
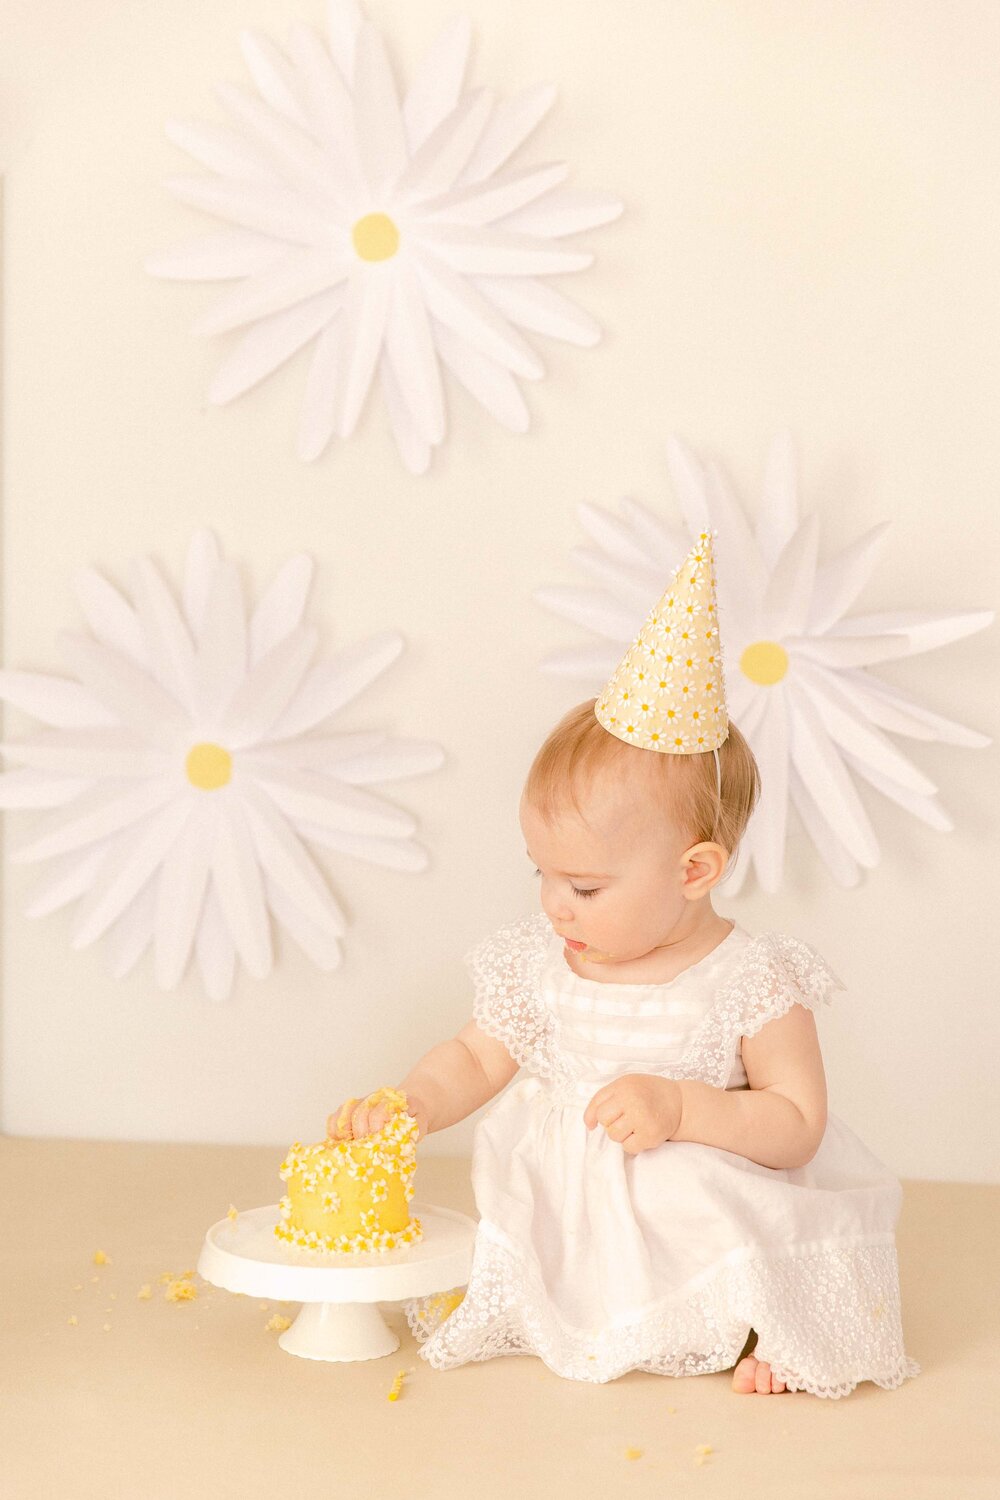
(197,1400)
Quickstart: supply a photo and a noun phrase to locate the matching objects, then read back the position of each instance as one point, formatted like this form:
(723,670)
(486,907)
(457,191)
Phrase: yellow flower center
(765,662)
(375,237)
(208,767)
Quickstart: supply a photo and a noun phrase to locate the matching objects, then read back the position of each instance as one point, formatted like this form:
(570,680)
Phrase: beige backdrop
(810,240)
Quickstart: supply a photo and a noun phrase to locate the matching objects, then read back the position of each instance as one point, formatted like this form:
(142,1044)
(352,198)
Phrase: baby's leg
(754,1375)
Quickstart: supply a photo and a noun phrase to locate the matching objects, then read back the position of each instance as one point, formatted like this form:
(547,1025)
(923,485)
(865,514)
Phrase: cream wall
(810,240)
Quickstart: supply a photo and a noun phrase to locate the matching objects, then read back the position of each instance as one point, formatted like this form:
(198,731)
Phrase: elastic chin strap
(718,774)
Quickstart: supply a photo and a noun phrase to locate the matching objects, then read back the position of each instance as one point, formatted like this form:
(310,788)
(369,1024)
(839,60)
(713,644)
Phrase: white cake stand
(339,1318)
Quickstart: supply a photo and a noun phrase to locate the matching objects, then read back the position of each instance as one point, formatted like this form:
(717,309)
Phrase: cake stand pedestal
(339,1318)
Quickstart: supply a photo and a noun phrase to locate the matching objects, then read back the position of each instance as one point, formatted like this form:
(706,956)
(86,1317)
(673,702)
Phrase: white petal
(318,419)
(892,710)
(635,588)
(127,871)
(130,936)
(324,97)
(742,577)
(320,946)
(288,863)
(435,166)
(362,329)
(222,649)
(512,122)
(264,348)
(275,210)
(494,251)
(343,22)
(927,809)
(88,753)
(68,878)
(664,545)
(490,383)
(436,84)
(97,814)
(568,211)
(618,539)
(789,592)
(298,276)
(168,642)
(39,789)
(392,854)
(838,861)
(770,748)
(320,752)
(459,307)
(269,686)
(690,483)
(200,567)
(822,770)
(331,684)
(302,163)
(594,608)
(924,629)
(323,800)
(779,513)
(392,761)
(222,150)
(281,607)
(215,950)
(180,895)
(840,579)
(845,722)
(847,651)
(409,345)
(381,139)
(240,890)
(54,700)
(270,71)
(414,449)
(531,304)
(111,619)
(128,693)
(224,255)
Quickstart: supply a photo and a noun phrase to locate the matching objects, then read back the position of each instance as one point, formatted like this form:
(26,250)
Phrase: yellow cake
(352,1195)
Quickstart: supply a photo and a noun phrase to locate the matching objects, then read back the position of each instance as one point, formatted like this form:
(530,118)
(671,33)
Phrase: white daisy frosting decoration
(189,767)
(396,237)
(796,676)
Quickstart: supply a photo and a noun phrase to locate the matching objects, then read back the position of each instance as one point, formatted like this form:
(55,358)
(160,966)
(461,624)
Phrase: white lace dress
(601,1262)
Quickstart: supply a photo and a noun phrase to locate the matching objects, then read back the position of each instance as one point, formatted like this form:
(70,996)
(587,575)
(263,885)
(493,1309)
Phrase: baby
(666,1179)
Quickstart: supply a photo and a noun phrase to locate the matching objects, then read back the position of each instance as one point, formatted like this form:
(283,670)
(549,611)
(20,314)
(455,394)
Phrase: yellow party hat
(668,691)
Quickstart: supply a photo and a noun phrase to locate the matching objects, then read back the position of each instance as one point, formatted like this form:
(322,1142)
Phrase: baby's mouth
(576,947)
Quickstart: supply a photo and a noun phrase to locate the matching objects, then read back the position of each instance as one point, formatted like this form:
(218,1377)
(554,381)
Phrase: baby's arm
(451,1081)
(780,1120)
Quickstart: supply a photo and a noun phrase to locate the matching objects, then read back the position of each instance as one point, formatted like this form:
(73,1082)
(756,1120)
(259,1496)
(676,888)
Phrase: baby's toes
(743,1376)
(762,1379)
(776,1385)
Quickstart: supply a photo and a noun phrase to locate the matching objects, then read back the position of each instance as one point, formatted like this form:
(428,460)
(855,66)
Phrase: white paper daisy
(391,236)
(189,764)
(795,661)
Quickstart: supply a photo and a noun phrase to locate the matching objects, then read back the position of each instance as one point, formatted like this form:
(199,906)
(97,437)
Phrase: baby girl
(665,1184)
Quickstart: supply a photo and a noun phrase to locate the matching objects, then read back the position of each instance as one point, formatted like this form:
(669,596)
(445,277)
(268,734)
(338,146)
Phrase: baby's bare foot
(754,1376)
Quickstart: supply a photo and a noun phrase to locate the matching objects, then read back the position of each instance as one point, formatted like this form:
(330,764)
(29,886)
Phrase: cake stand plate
(339,1318)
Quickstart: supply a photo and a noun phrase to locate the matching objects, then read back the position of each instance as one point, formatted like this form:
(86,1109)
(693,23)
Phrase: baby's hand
(639,1110)
(355,1119)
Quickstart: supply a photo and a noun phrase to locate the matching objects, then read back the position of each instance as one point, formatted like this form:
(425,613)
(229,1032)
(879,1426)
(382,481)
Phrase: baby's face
(613,881)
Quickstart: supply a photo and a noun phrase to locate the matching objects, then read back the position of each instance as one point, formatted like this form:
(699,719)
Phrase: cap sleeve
(780,971)
(508,1004)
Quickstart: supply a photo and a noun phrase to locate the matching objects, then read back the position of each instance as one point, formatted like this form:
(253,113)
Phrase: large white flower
(189,765)
(795,661)
(390,236)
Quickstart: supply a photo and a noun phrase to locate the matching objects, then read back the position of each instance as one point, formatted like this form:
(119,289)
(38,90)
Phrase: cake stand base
(339,1319)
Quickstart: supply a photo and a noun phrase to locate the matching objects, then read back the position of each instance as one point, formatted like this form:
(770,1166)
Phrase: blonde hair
(579,748)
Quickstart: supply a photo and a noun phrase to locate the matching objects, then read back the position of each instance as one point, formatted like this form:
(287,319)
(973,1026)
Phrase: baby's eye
(578,892)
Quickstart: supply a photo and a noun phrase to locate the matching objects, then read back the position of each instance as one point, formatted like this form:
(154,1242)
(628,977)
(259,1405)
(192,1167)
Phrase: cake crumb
(100,1259)
(165,1276)
(78,1287)
(144,1293)
(277,1324)
(397,1385)
(72,1320)
(232,1213)
(113,1296)
(180,1290)
(633,1452)
(107,1328)
(704,1448)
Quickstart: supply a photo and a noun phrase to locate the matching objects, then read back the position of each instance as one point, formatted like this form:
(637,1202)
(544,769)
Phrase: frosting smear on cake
(352,1195)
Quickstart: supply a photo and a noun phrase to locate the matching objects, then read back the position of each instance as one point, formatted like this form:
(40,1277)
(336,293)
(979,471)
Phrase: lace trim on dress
(508,1004)
(775,972)
(826,1319)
